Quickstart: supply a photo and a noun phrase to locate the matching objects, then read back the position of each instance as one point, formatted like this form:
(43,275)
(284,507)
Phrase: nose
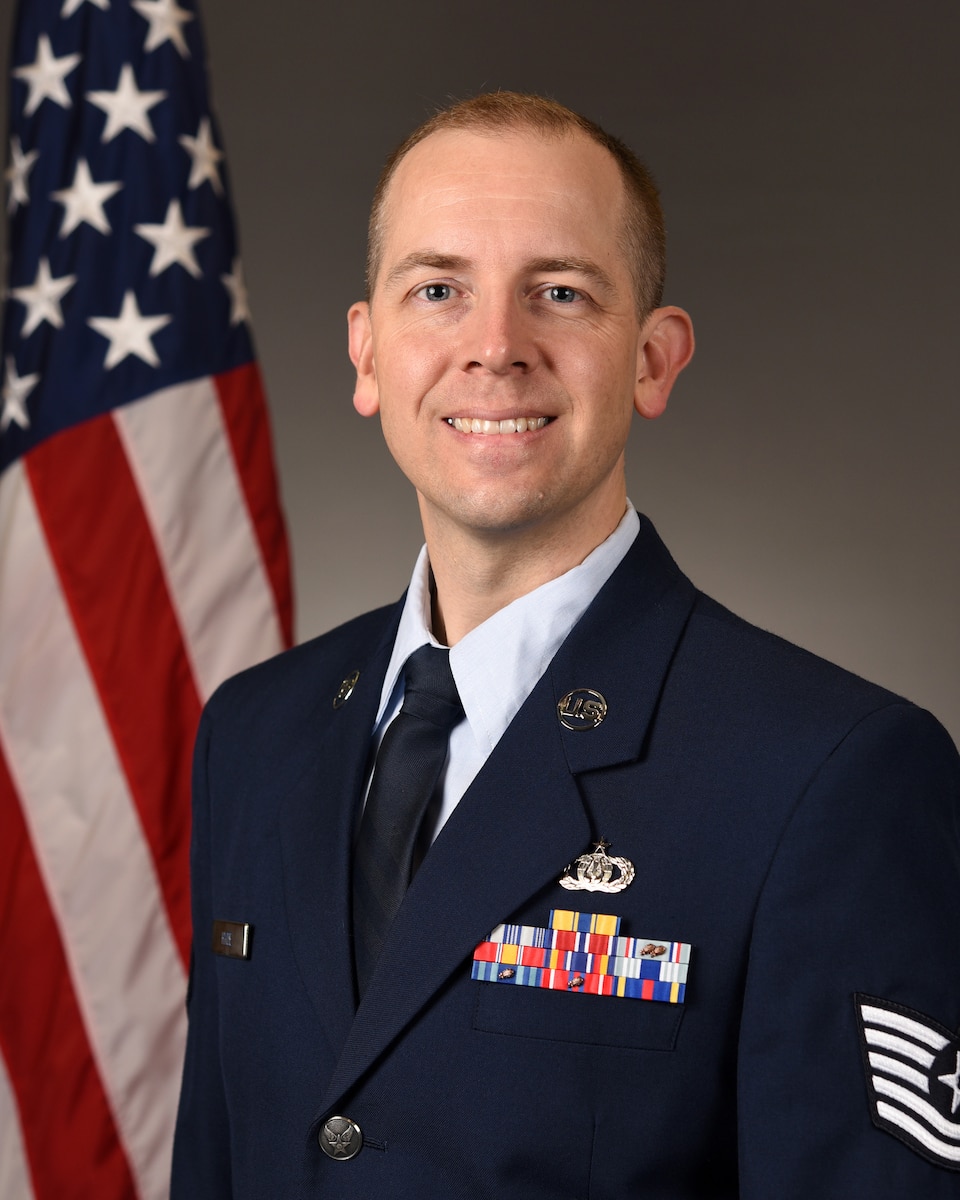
(498,337)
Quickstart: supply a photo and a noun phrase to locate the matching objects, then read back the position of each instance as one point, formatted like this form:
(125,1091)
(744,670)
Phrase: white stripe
(629,968)
(14,1174)
(890,1041)
(894,1020)
(893,1066)
(923,1108)
(181,459)
(916,1130)
(89,845)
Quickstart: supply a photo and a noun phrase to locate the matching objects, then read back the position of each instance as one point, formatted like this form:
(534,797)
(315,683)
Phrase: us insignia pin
(598,872)
(582,708)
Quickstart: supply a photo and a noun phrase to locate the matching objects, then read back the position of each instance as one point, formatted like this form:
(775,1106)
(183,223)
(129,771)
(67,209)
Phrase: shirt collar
(497,664)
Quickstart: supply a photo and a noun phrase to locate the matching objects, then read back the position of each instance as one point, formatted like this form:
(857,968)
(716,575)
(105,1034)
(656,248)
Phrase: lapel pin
(346,689)
(598,872)
(582,708)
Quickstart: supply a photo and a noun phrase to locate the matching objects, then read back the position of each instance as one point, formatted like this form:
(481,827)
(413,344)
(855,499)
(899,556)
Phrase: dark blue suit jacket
(797,825)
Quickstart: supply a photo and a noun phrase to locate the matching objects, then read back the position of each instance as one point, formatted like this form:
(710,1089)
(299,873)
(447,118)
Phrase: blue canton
(123,268)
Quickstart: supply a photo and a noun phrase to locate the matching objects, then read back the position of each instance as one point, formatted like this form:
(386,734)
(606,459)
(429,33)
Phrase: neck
(475,574)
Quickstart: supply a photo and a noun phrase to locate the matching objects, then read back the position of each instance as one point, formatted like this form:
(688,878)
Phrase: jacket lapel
(316,828)
(622,648)
(526,799)
(510,796)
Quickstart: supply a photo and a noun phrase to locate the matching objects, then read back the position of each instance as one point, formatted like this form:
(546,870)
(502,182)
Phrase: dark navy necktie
(408,766)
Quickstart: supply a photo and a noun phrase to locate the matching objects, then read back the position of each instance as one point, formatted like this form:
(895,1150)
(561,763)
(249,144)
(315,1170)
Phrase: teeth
(510,425)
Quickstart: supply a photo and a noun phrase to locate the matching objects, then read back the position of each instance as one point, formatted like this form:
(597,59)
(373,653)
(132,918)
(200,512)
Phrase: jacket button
(340,1138)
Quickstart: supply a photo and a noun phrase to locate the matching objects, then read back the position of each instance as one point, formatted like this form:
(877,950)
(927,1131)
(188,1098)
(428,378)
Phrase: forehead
(459,190)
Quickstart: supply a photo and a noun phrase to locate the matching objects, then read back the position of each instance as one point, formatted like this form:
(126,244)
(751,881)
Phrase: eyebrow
(537,266)
(426,258)
(580,266)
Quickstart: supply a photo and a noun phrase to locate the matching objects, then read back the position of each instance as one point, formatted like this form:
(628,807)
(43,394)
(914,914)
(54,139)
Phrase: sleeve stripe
(893,1066)
(872,1015)
(919,1132)
(923,1108)
(889,1041)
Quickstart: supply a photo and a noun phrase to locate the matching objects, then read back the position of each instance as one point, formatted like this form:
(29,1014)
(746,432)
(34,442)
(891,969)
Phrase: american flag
(142,560)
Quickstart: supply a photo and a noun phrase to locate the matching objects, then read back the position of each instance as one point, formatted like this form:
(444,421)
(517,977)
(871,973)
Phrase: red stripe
(114,585)
(69,1134)
(248,426)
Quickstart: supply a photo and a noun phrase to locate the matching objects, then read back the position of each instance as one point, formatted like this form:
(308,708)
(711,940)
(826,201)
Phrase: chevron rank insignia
(913,1078)
(584,952)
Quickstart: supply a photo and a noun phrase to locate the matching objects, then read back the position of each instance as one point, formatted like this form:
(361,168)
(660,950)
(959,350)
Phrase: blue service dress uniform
(794,825)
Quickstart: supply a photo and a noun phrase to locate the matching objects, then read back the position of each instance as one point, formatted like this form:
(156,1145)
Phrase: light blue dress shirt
(497,665)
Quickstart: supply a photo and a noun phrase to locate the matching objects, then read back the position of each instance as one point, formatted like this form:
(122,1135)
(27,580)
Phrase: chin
(499,514)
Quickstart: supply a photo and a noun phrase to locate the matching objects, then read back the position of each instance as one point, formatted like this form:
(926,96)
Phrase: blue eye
(563,294)
(436,291)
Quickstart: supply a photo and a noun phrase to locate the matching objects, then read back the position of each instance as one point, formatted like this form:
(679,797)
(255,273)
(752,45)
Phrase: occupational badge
(598,872)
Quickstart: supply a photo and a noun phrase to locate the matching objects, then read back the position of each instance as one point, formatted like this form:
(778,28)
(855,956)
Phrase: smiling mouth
(510,425)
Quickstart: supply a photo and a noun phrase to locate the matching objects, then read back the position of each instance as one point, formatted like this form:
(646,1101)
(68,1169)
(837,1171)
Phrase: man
(749,857)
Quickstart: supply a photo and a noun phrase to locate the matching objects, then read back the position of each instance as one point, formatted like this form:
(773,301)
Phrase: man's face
(502,346)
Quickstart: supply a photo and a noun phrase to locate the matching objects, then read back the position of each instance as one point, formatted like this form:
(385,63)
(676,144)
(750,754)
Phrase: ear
(665,347)
(366,394)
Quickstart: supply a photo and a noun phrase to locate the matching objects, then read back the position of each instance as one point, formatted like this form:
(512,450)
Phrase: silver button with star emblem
(340,1138)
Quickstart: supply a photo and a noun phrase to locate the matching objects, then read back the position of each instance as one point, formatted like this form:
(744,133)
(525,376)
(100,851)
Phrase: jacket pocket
(529,1012)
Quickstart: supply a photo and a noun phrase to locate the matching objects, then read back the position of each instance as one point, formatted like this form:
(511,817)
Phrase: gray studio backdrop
(805,472)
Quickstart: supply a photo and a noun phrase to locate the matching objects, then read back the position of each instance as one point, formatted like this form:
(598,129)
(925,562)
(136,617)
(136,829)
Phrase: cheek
(603,363)
(410,435)
(603,388)
(409,359)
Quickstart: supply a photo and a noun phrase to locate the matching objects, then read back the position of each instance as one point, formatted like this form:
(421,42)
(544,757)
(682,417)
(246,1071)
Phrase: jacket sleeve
(862,899)
(201,1157)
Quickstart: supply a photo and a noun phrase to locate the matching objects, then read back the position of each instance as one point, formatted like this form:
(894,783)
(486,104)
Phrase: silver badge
(598,872)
